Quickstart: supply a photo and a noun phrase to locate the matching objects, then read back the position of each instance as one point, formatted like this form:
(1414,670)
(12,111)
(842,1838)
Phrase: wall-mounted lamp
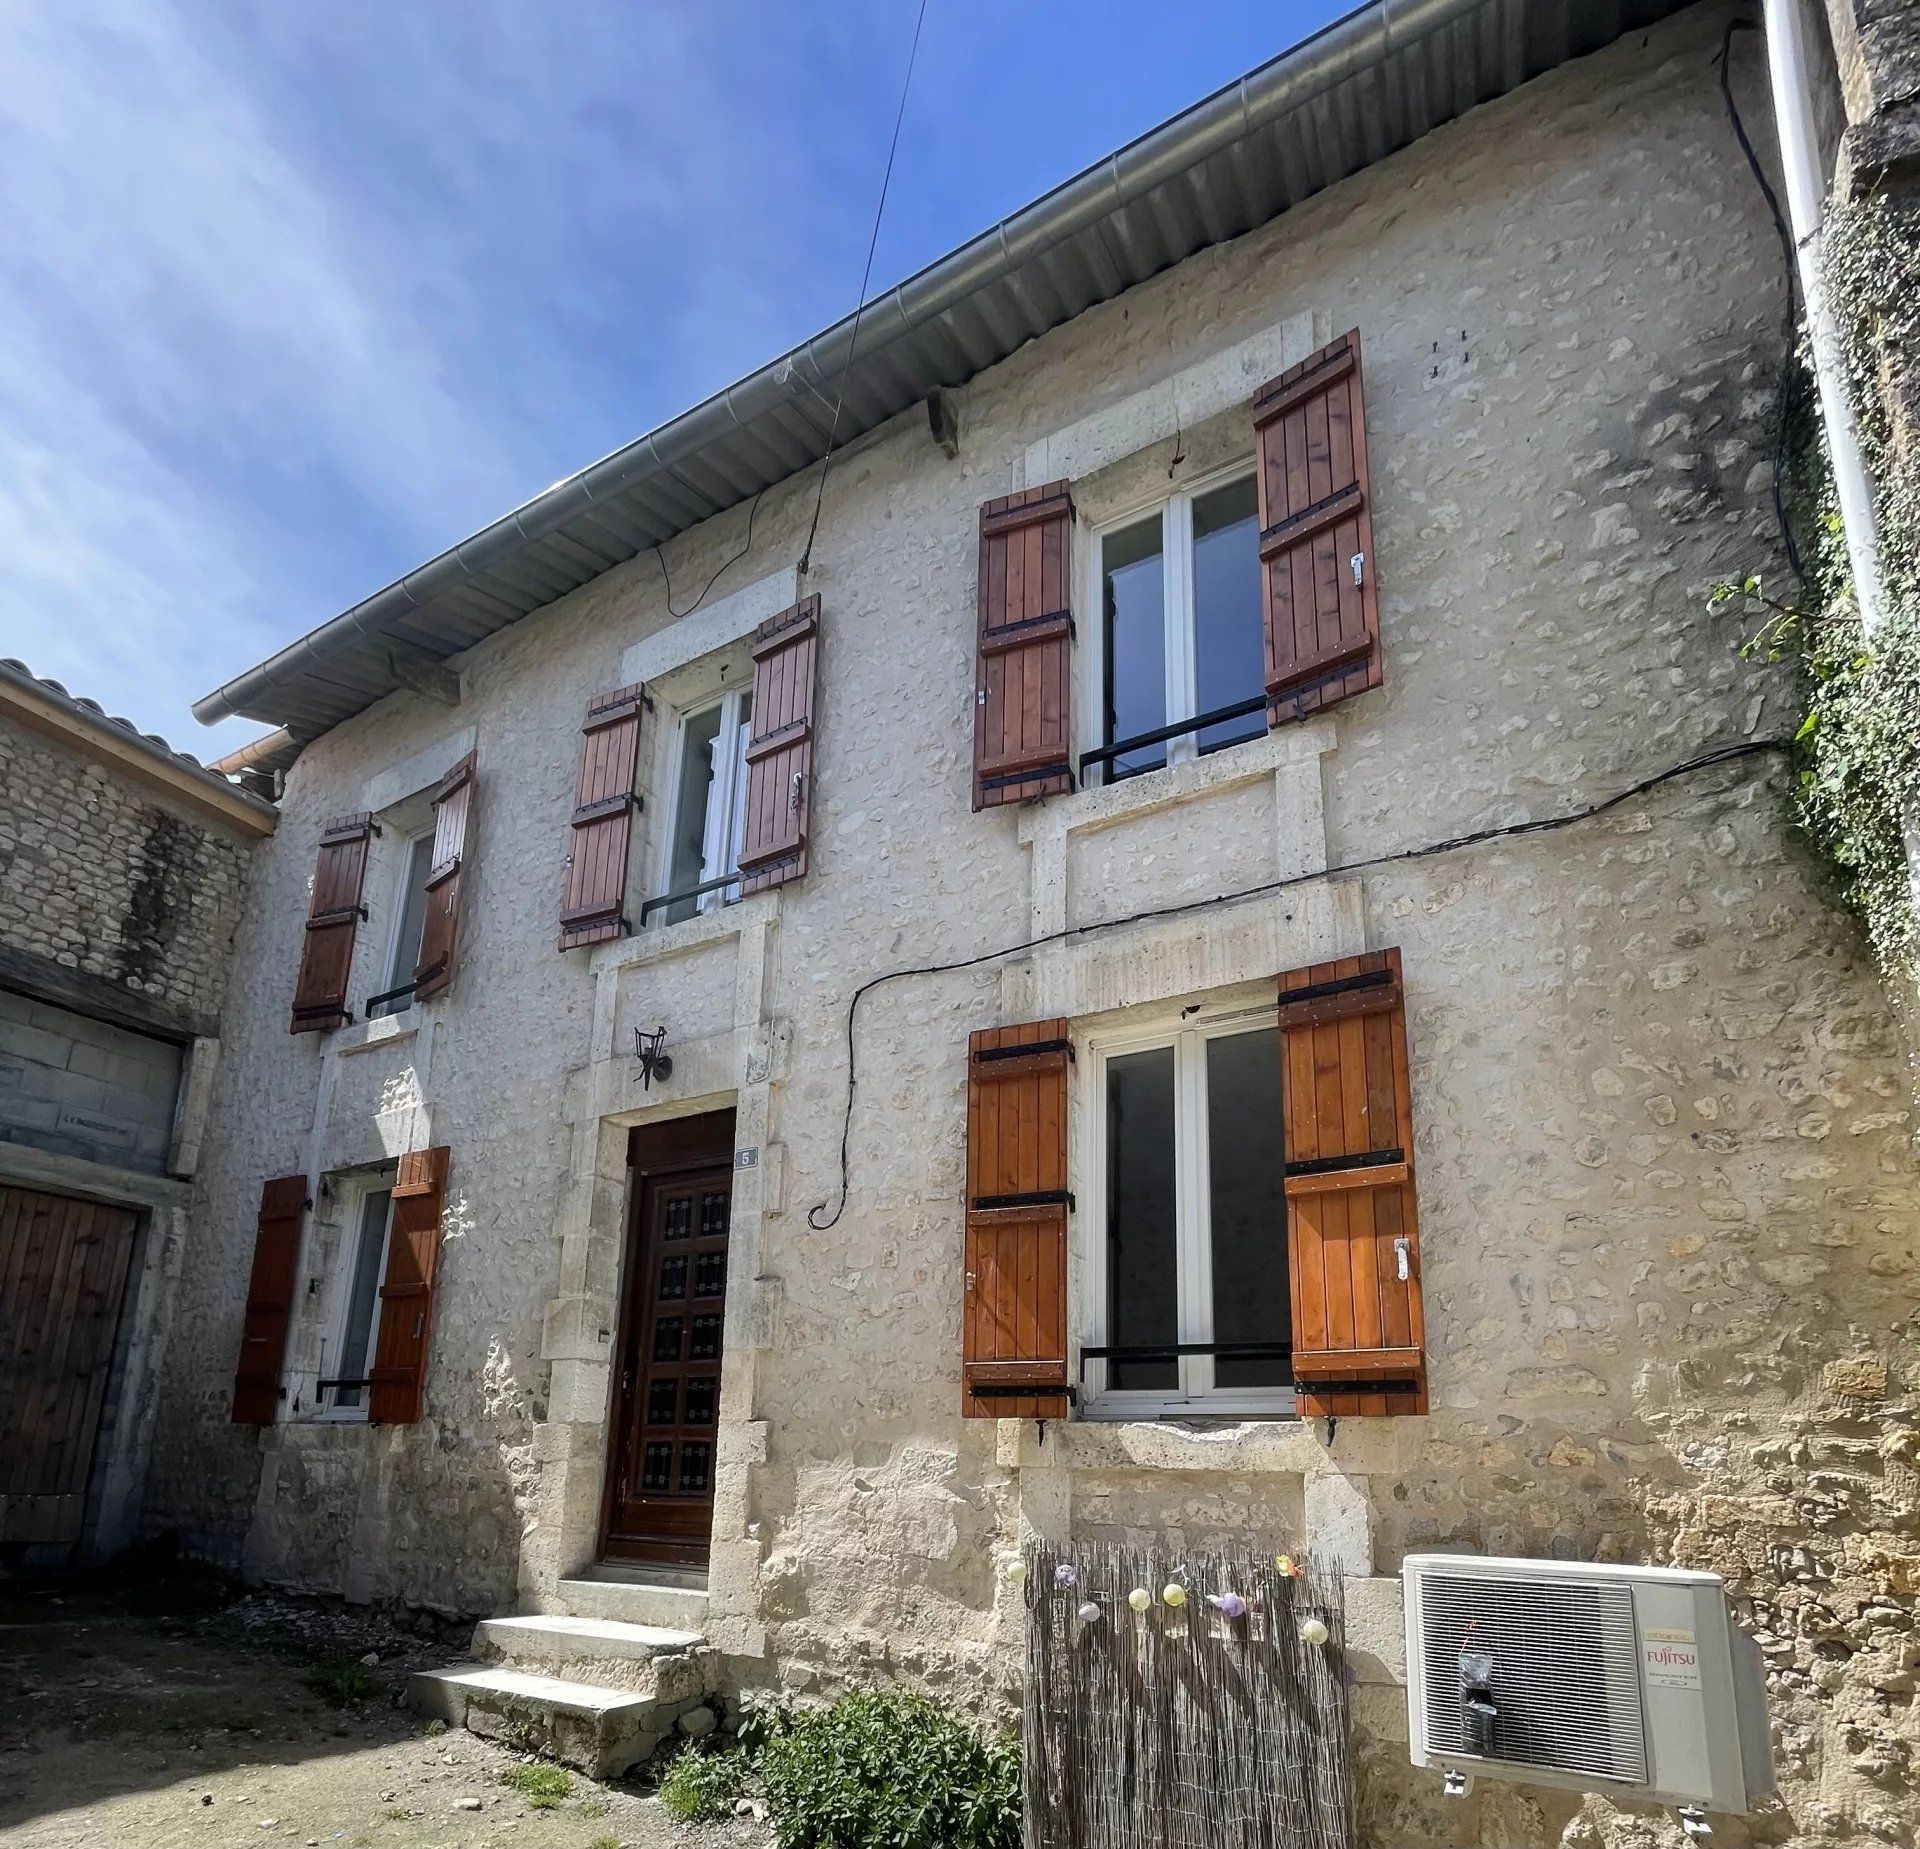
(654,1064)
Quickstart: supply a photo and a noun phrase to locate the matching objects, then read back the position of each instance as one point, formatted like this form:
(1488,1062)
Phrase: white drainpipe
(1806,206)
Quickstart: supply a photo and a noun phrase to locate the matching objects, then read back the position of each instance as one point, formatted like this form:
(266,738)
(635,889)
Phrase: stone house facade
(123,868)
(1638,1283)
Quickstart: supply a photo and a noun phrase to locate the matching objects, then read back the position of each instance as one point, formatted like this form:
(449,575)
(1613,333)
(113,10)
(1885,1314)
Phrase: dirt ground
(188,1722)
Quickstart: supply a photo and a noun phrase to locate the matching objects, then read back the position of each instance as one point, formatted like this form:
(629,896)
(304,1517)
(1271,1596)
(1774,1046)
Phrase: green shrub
(343,1681)
(888,1771)
(701,1786)
(542,1786)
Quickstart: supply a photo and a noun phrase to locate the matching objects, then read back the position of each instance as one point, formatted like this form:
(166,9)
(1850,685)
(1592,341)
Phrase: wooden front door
(63,1271)
(666,1412)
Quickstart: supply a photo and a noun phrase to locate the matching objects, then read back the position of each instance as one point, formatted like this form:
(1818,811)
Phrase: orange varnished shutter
(263,1331)
(326,957)
(1353,1245)
(440,930)
(1023,694)
(1316,534)
(593,909)
(1014,1320)
(406,1294)
(779,804)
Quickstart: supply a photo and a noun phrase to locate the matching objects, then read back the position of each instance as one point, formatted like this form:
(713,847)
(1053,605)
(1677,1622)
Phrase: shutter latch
(799,784)
(970,1280)
(1403,1258)
(1359,564)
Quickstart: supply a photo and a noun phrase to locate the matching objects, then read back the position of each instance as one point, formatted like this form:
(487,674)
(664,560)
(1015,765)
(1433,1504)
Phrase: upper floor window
(415,863)
(708,807)
(1179,665)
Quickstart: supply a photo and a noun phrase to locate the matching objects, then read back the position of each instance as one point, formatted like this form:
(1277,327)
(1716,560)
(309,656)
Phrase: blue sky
(294,296)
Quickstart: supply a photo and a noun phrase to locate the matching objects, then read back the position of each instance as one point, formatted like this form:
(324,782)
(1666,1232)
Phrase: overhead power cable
(866,277)
(1724,754)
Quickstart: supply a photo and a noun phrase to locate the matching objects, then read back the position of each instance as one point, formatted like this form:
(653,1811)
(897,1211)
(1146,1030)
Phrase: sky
(295,296)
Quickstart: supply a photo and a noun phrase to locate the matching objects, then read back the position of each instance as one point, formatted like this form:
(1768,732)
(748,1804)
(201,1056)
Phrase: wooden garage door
(63,1271)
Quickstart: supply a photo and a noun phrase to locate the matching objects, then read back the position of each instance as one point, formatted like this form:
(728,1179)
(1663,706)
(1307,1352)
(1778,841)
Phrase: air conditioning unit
(1631,1681)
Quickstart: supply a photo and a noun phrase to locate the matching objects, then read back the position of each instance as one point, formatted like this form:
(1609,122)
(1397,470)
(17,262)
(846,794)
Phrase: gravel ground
(185,1719)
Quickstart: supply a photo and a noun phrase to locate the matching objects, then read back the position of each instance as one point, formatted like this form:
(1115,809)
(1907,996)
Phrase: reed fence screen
(1188,1727)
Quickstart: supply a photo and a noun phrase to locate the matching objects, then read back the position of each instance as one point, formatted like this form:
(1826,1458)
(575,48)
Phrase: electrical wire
(1790,319)
(746,546)
(866,277)
(1724,754)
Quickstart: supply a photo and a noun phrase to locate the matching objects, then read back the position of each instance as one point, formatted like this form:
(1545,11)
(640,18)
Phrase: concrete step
(598,1731)
(628,1599)
(644,1659)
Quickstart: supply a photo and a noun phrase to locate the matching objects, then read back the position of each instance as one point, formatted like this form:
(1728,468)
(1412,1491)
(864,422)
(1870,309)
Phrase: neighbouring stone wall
(1667,1198)
(98,876)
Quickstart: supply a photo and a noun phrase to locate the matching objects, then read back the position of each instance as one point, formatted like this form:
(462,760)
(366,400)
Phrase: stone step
(608,1593)
(644,1659)
(598,1731)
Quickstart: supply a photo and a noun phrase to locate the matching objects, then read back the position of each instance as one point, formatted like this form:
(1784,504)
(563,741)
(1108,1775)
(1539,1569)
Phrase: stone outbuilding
(1198,942)
(123,868)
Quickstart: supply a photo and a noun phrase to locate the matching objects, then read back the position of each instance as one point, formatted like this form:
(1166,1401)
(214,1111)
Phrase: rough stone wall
(1668,1217)
(101,877)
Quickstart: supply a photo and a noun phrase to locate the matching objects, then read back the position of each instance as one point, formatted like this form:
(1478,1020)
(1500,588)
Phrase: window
(1190,1224)
(708,808)
(348,1357)
(409,916)
(1180,636)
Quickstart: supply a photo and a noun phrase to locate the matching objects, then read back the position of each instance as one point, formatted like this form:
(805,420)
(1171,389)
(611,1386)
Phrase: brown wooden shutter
(333,913)
(263,1330)
(593,908)
(774,843)
(1023,692)
(399,1369)
(1353,1243)
(1316,534)
(440,929)
(1014,1321)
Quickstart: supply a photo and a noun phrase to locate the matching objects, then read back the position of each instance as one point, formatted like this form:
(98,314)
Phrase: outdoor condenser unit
(1630,1681)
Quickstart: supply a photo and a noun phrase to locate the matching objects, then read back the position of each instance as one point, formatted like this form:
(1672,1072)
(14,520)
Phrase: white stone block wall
(1660,1111)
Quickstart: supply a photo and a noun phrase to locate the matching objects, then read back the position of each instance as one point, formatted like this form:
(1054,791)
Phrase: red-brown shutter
(774,842)
(263,1331)
(1353,1243)
(326,959)
(440,929)
(1316,534)
(1023,691)
(1014,1321)
(593,909)
(399,1369)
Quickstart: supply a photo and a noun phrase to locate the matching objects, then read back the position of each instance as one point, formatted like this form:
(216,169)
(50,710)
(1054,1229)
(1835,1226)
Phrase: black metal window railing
(685,894)
(1175,1351)
(394,1001)
(1107,755)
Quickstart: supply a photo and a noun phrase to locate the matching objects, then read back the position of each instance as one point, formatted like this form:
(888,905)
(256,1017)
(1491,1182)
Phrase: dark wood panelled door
(63,1272)
(659,1501)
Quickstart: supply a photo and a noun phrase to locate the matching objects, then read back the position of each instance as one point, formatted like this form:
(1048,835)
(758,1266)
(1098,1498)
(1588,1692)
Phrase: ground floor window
(355,1332)
(1188,1260)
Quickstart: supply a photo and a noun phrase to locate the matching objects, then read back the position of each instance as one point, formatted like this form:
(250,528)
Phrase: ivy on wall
(1857,747)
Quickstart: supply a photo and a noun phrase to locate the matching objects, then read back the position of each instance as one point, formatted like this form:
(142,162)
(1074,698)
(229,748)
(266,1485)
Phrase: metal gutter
(1356,91)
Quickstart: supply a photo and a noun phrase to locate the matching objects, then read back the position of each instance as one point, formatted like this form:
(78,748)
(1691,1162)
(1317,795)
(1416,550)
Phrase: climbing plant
(1857,746)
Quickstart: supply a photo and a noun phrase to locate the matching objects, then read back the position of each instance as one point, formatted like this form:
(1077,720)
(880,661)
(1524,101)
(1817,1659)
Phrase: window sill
(658,942)
(1265,1446)
(388,1030)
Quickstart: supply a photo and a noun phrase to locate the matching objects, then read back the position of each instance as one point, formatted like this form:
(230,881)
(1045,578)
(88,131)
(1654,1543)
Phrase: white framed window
(414,864)
(1179,635)
(1188,1228)
(353,1331)
(706,805)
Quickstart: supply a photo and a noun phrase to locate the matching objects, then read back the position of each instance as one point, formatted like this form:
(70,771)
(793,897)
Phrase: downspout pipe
(1791,77)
